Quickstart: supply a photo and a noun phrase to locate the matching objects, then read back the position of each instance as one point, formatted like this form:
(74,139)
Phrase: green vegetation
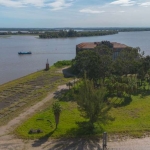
(56,110)
(131,119)
(87,61)
(26,91)
(62,32)
(72,33)
(121,83)
(91,103)
(45,121)
(62,63)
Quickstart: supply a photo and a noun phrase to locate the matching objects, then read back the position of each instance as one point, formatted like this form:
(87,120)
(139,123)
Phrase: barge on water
(23,53)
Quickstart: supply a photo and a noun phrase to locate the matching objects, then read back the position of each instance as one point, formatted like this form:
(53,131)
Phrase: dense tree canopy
(87,61)
(92,103)
(99,63)
(127,61)
(73,33)
(114,78)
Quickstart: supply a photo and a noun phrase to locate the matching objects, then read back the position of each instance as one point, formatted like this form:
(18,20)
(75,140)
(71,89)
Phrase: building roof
(92,45)
(89,45)
(118,45)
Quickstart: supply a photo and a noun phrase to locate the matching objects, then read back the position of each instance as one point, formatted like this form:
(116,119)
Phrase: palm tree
(56,110)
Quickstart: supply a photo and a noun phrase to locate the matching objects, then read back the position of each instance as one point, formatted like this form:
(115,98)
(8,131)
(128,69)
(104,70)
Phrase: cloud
(60,4)
(36,3)
(146,4)
(10,3)
(122,11)
(53,4)
(91,11)
(123,2)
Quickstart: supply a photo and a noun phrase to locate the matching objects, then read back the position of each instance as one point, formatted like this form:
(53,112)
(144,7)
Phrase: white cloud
(10,3)
(146,4)
(54,4)
(122,11)
(59,4)
(91,11)
(123,2)
(36,3)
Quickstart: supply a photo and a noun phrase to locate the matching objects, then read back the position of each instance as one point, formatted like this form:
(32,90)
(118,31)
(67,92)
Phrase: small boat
(22,53)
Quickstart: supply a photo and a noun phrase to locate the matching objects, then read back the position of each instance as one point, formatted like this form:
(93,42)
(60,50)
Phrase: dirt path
(10,142)
(4,130)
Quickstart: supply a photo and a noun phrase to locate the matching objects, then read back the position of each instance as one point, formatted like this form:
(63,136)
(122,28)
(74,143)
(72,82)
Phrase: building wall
(116,51)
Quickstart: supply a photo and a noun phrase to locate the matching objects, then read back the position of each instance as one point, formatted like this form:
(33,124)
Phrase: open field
(130,120)
(24,92)
(45,121)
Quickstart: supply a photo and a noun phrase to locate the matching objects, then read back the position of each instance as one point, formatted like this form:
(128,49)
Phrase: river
(13,66)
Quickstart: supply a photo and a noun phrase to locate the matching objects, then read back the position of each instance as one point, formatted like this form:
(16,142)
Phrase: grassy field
(26,91)
(132,119)
(69,116)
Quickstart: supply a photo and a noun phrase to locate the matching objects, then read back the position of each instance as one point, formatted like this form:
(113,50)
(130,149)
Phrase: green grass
(68,118)
(29,89)
(132,119)
(62,63)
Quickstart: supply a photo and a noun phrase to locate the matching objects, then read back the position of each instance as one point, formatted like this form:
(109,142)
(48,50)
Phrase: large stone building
(117,47)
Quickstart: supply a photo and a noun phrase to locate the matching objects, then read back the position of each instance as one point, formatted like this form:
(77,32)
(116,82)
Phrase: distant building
(117,47)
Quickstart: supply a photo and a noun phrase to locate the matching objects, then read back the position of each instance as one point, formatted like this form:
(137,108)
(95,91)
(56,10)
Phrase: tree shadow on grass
(42,140)
(67,72)
(142,92)
(145,93)
(126,100)
(64,95)
(60,93)
(84,139)
(76,144)
(85,130)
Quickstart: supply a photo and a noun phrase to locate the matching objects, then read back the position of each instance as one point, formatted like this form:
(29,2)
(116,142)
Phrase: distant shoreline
(38,35)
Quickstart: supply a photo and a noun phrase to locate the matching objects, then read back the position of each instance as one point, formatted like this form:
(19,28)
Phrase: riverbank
(14,66)
(8,141)
(24,92)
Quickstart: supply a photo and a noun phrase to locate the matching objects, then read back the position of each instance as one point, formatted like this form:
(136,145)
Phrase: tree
(145,65)
(97,63)
(56,110)
(106,54)
(128,61)
(72,33)
(87,61)
(92,104)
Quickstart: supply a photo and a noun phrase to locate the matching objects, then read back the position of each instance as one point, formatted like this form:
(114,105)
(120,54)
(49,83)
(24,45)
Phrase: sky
(74,13)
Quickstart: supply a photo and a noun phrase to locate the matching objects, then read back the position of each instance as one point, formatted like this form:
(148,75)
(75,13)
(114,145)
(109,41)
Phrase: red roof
(118,45)
(89,45)
(92,45)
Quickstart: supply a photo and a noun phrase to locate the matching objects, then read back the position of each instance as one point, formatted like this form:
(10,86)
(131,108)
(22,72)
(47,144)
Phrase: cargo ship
(23,53)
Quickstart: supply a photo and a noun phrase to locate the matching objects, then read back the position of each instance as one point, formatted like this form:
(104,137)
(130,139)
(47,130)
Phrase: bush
(62,63)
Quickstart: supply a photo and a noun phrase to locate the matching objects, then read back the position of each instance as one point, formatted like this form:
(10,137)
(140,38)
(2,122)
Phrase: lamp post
(104,140)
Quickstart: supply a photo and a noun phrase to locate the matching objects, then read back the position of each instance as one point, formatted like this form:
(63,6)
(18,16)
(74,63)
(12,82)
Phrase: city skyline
(74,13)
